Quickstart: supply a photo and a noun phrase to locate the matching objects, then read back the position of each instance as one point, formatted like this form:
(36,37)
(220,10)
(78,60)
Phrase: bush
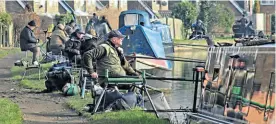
(5,18)
(186,11)
(215,15)
(256,8)
(65,18)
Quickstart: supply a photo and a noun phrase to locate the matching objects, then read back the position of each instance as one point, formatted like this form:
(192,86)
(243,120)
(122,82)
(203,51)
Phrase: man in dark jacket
(88,44)
(72,47)
(243,22)
(28,41)
(108,56)
(71,27)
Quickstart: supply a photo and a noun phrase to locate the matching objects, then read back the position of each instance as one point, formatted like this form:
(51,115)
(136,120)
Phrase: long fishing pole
(170,110)
(183,58)
(159,58)
(252,88)
(150,75)
(182,44)
(269,93)
(150,78)
(230,75)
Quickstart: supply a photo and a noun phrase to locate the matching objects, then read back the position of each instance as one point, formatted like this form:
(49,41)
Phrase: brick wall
(113,4)
(268,9)
(166,7)
(123,5)
(39,6)
(2,6)
(232,7)
(79,5)
(90,6)
(52,7)
(13,7)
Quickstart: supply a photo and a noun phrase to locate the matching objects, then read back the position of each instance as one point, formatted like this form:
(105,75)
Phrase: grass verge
(135,116)
(10,112)
(31,79)
(76,103)
(6,51)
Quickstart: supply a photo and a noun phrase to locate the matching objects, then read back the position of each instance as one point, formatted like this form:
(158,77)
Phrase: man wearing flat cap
(28,41)
(73,45)
(108,55)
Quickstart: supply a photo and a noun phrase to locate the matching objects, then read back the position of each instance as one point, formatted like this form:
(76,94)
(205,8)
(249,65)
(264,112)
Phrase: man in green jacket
(58,39)
(108,56)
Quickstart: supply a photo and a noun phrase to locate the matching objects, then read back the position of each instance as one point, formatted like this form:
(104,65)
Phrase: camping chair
(44,54)
(123,80)
(29,67)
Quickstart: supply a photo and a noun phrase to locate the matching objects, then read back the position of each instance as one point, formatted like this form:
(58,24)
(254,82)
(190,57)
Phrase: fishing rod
(159,58)
(269,93)
(137,77)
(170,110)
(252,88)
(182,44)
(150,75)
(184,58)
(230,75)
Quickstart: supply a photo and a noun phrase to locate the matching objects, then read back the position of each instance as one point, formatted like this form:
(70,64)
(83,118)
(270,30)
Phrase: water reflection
(182,93)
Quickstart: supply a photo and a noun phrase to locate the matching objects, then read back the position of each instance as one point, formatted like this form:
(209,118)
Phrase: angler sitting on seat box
(28,41)
(58,40)
(197,29)
(108,56)
(73,45)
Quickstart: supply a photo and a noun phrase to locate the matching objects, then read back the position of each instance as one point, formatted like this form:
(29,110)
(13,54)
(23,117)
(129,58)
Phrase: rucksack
(70,89)
(57,76)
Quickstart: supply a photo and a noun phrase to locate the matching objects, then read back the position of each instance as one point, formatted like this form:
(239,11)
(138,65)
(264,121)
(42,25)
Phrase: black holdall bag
(57,79)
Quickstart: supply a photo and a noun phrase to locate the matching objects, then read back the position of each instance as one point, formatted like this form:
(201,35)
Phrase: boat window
(165,34)
(131,19)
(169,33)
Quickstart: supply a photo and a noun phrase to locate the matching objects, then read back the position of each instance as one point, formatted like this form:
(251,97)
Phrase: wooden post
(173,28)
(4,38)
(1,40)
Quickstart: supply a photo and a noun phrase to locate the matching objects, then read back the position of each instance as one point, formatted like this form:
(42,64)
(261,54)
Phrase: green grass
(75,102)
(10,112)
(203,41)
(135,116)
(6,51)
(31,80)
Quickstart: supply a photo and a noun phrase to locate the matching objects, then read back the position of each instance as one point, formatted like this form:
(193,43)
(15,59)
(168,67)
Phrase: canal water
(182,93)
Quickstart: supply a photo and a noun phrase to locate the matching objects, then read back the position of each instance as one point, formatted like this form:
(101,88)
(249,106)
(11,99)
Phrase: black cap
(79,31)
(115,33)
(234,56)
(32,23)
